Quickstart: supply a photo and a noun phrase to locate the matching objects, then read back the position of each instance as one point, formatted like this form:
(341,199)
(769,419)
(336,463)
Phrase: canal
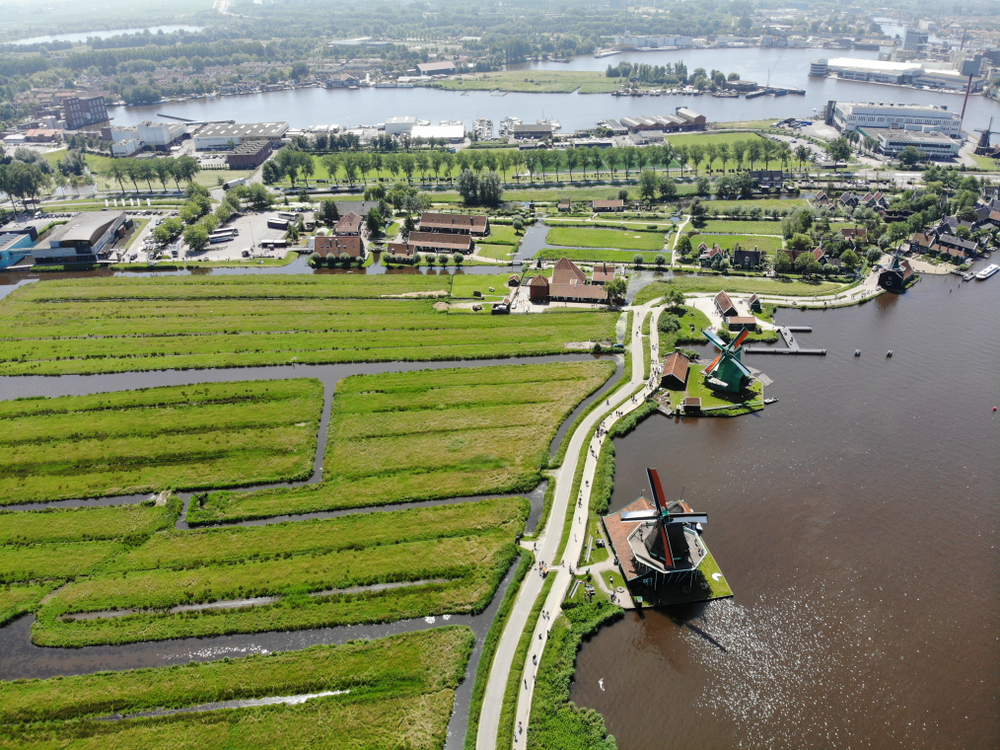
(856,520)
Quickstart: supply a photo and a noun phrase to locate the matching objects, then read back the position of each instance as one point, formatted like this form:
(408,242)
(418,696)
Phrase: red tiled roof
(338,246)
(401,248)
(603,273)
(441,241)
(676,364)
(616,203)
(723,301)
(476,224)
(349,223)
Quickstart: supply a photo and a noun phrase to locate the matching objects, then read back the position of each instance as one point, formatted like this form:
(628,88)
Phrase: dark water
(857,521)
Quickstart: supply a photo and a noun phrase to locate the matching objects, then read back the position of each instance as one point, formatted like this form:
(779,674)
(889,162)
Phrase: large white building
(221,134)
(899,73)
(935,145)
(850,116)
(399,125)
(159,134)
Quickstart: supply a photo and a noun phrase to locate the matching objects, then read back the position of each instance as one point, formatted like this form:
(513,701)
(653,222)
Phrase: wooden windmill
(660,544)
(985,147)
(727,372)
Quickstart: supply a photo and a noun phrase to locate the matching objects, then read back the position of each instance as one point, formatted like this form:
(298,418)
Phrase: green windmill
(727,372)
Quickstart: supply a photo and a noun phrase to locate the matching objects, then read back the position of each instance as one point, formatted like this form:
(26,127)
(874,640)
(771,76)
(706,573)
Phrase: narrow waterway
(857,522)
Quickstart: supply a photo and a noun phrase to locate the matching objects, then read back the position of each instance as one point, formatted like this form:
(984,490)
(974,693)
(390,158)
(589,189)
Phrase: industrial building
(850,116)
(453,133)
(892,141)
(399,125)
(82,238)
(250,154)
(81,111)
(897,73)
(219,134)
(159,135)
(445,67)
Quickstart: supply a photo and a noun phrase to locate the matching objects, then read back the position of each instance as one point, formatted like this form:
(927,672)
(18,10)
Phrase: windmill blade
(640,515)
(688,518)
(713,337)
(741,338)
(657,489)
(711,367)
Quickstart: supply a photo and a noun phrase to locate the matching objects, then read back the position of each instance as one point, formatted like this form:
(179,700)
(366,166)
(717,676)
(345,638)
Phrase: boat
(889,353)
(969,276)
(857,352)
(606,52)
(987,272)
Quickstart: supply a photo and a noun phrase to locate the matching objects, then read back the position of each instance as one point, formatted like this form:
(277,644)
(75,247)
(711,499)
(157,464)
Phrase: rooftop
(243,130)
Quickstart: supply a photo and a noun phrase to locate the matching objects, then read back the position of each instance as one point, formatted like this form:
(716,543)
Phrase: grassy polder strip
(515,680)
(129,523)
(57,335)
(47,561)
(620,239)
(597,255)
(470,566)
(554,718)
(490,644)
(765,242)
(411,663)
(179,550)
(536,81)
(17,600)
(400,437)
(413,721)
(214,434)
(738,284)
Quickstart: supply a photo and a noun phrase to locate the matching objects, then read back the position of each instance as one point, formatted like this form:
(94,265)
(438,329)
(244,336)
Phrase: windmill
(727,371)
(985,147)
(660,543)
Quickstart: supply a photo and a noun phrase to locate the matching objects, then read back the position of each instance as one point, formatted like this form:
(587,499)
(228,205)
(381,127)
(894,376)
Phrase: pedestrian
(526,681)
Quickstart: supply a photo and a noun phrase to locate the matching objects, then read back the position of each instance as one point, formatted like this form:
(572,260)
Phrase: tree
(839,150)
(674,297)
(668,323)
(375,223)
(668,189)
(458,258)
(660,260)
(910,156)
(802,154)
(167,231)
(196,237)
(329,214)
(299,70)
(616,288)
(518,225)
(850,261)
(490,189)
(684,245)
(637,260)
(698,212)
(782,263)
(703,186)
(800,243)
(649,184)
(468,186)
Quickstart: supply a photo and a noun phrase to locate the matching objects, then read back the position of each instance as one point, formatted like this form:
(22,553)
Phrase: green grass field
(210,435)
(536,81)
(463,286)
(605,238)
(784,204)
(120,325)
(724,226)
(598,255)
(499,252)
(321,573)
(741,284)
(439,433)
(397,692)
(51,525)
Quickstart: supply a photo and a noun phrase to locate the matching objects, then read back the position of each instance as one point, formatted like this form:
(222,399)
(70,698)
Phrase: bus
(287,216)
(232,231)
(215,239)
(274,244)
(281,224)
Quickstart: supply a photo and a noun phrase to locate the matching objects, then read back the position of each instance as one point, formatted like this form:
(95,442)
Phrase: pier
(791,344)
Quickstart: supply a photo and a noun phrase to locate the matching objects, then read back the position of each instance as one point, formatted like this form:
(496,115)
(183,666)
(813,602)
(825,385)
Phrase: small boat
(857,352)
(987,272)
(889,353)
(969,276)
(771,400)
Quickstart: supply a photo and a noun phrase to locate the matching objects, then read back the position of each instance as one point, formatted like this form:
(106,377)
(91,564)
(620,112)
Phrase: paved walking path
(618,405)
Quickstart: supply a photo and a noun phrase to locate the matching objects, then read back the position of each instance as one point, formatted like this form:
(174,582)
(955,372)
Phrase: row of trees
(21,181)
(162,169)
(354,166)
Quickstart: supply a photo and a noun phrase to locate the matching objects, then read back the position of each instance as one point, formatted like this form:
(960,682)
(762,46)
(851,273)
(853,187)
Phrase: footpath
(617,406)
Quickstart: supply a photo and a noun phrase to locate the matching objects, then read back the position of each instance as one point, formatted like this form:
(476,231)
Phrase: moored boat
(987,272)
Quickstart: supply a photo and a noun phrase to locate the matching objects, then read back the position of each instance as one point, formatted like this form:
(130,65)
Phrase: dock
(792,345)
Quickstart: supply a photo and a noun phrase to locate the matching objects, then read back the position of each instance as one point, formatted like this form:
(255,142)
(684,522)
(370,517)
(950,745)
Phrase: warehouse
(892,141)
(220,135)
(850,116)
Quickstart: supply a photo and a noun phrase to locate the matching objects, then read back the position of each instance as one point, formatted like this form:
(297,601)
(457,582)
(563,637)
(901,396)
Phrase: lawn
(395,691)
(463,286)
(784,204)
(401,437)
(598,255)
(120,325)
(210,435)
(132,522)
(499,252)
(321,574)
(536,81)
(723,226)
(985,163)
(739,284)
(605,238)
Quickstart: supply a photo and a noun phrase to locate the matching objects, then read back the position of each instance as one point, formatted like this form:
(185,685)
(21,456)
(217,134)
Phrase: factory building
(851,116)
(896,73)
(219,135)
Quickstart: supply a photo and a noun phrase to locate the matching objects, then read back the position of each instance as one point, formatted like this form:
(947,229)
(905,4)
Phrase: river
(783,67)
(857,522)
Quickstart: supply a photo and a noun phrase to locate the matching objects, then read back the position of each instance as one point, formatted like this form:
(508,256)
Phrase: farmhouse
(608,206)
(474,225)
(441,242)
(675,371)
(349,225)
(725,305)
(568,284)
(338,246)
